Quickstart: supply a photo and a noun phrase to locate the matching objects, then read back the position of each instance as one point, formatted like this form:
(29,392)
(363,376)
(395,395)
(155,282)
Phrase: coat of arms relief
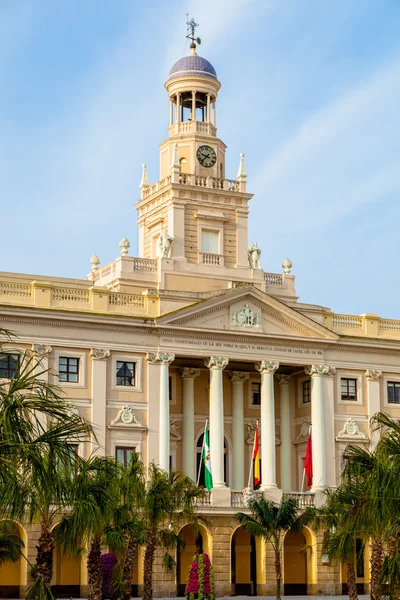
(246,317)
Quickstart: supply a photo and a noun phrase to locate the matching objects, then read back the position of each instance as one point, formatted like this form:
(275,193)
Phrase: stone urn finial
(124,245)
(144,182)
(95,261)
(287,265)
(242,173)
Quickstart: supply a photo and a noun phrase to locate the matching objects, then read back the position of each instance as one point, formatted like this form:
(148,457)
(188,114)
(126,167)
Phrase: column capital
(99,353)
(283,379)
(189,373)
(239,376)
(41,349)
(267,366)
(162,358)
(319,370)
(217,363)
(373,374)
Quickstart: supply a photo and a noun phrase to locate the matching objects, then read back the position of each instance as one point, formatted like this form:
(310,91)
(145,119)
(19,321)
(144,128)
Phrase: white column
(193,105)
(99,391)
(171,112)
(330,441)
(164,360)
(178,107)
(268,462)
(41,362)
(208,108)
(214,113)
(318,424)
(374,400)
(286,446)
(238,476)
(188,450)
(217,364)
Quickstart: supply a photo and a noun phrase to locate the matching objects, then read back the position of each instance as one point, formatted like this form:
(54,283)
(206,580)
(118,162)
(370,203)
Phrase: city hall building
(147,348)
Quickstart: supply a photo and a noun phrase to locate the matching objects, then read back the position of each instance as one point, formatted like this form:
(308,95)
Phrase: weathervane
(191,31)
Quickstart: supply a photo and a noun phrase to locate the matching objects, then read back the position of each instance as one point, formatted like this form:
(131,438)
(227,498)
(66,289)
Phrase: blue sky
(310,92)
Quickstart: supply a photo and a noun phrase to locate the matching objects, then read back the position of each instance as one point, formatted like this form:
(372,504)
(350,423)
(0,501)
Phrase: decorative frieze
(99,353)
(351,432)
(246,317)
(373,374)
(41,349)
(126,418)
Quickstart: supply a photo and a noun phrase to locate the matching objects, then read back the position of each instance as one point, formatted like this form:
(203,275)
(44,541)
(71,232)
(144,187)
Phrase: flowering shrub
(108,562)
(200,585)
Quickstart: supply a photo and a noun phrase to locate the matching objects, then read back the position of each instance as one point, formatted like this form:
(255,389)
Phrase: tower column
(178,107)
(193,105)
(208,107)
(171,112)
(214,113)
(164,360)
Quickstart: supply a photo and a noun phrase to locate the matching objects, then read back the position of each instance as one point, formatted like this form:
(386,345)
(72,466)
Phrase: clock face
(206,156)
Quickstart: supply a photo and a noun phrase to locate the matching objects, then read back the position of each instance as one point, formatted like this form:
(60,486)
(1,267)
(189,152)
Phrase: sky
(310,93)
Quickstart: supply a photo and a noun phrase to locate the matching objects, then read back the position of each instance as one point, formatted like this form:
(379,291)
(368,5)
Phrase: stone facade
(195,329)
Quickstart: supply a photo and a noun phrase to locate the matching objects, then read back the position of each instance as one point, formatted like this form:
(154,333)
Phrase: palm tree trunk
(278,574)
(352,578)
(148,568)
(392,549)
(128,568)
(376,566)
(44,557)
(94,569)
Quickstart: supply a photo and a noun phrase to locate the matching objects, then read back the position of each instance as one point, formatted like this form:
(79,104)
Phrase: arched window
(199,464)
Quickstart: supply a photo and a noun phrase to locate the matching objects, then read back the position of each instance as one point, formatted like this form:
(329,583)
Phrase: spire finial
(175,165)
(242,173)
(191,31)
(144,182)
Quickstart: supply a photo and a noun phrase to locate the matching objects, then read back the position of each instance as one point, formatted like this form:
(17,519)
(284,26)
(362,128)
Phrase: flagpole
(201,455)
(252,456)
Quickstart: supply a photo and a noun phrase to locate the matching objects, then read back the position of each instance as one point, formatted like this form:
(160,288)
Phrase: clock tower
(194,220)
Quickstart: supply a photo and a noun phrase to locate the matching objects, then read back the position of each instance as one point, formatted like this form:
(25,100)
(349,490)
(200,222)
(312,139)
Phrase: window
(9,364)
(306,397)
(123,455)
(125,373)
(68,369)
(393,392)
(256,393)
(348,388)
(209,241)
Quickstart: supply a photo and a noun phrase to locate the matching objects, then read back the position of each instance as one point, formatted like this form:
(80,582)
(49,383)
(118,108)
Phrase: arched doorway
(13,575)
(361,567)
(199,464)
(66,573)
(295,564)
(243,564)
(195,540)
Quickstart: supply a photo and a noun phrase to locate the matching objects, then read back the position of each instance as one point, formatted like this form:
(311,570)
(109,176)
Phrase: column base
(319,497)
(221,497)
(273,494)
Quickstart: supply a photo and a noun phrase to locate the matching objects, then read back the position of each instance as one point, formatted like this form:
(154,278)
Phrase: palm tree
(341,533)
(271,521)
(127,519)
(169,501)
(89,521)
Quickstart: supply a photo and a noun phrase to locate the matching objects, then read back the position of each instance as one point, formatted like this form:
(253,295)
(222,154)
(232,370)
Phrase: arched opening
(195,540)
(200,466)
(66,574)
(13,574)
(184,165)
(295,564)
(243,564)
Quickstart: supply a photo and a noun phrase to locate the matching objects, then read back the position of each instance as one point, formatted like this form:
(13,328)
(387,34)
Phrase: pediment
(246,311)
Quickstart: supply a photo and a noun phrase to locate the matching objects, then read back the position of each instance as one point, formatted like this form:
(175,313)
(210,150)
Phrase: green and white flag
(205,456)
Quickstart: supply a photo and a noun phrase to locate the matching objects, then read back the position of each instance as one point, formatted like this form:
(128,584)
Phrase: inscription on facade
(237,346)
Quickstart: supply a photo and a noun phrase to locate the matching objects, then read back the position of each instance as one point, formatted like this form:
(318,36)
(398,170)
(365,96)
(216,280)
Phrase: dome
(192,65)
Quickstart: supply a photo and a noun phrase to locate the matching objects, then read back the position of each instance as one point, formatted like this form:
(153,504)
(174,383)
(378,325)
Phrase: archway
(195,540)
(66,579)
(243,564)
(13,575)
(295,564)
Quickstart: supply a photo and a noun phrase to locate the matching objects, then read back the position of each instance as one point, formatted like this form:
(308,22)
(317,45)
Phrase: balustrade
(126,300)
(347,321)
(273,279)
(304,500)
(214,260)
(389,325)
(70,295)
(16,289)
(145,265)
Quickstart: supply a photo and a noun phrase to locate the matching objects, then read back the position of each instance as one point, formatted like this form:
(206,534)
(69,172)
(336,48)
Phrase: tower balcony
(229,185)
(192,127)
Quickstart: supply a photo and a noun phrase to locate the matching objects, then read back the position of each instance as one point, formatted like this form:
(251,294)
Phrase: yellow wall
(295,559)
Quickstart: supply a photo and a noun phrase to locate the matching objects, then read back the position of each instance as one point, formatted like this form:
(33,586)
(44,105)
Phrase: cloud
(341,157)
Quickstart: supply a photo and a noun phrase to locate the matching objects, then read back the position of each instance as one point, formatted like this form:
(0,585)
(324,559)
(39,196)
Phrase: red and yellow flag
(256,460)
(308,462)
